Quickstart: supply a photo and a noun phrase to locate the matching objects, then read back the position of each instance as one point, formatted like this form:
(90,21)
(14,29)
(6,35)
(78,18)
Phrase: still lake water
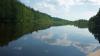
(55,41)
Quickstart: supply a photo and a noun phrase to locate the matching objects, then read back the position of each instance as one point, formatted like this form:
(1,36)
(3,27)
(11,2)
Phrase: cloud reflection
(63,39)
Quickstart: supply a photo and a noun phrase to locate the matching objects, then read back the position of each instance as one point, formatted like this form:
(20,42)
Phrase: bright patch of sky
(66,9)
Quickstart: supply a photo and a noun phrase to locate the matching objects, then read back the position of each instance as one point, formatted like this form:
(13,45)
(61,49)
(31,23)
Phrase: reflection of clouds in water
(62,38)
(86,48)
(42,36)
(76,30)
(63,41)
(46,51)
(82,32)
(47,37)
(18,48)
(25,38)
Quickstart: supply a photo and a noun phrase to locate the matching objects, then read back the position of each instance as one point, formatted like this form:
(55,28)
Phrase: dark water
(54,41)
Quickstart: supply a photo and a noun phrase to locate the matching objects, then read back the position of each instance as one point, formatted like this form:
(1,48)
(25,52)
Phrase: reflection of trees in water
(12,31)
(7,32)
(94,26)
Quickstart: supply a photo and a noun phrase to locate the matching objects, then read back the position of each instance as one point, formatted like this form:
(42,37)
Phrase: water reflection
(11,31)
(56,41)
(7,33)
(42,43)
(68,38)
(96,33)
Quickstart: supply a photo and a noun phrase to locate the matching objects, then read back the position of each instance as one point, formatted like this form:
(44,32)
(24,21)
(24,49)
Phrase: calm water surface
(54,41)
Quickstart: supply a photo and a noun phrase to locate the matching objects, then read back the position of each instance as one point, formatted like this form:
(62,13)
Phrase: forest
(13,11)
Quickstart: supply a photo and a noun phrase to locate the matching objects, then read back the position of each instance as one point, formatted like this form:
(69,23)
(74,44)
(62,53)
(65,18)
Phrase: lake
(67,40)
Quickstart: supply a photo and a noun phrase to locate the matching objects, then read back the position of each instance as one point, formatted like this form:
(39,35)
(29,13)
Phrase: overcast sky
(66,9)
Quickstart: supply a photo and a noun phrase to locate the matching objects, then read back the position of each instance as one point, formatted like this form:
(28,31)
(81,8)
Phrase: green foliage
(58,21)
(94,23)
(7,10)
(81,23)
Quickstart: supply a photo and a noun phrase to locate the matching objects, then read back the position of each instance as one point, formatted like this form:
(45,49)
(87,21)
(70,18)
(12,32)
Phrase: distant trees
(81,23)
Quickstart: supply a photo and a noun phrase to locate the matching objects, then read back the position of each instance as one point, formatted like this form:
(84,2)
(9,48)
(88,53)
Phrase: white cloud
(47,6)
(95,2)
(65,2)
(89,13)
(59,8)
(70,2)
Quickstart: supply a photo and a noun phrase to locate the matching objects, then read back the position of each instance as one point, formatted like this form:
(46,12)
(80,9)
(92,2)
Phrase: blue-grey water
(54,41)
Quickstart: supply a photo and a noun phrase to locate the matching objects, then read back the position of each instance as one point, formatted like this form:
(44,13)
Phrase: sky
(66,9)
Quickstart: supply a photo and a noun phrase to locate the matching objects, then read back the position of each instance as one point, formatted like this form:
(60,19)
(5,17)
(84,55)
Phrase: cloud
(95,2)
(55,8)
(65,2)
(62,8)
(27,2)
(44,5)
(89,13)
